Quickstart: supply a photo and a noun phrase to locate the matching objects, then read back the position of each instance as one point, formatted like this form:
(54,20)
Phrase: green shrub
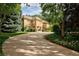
(56,29)
(26,29)
(69,41)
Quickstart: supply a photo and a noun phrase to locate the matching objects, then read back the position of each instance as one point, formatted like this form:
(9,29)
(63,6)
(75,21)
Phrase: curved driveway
(34,44)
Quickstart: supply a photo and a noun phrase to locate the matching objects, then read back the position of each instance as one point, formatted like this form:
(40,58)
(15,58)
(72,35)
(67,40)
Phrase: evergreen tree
(11,23)
(10,17)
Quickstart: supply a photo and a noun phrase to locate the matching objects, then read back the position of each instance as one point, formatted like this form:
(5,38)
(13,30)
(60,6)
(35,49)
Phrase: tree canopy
(52,12)
(7,8)
(72,17)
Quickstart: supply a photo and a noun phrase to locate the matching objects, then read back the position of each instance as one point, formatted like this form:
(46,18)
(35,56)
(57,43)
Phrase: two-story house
(34,23)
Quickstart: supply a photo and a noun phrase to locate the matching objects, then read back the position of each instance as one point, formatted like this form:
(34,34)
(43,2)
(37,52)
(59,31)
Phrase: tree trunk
(0,24)
(62,30)
(62,24)
(23,23)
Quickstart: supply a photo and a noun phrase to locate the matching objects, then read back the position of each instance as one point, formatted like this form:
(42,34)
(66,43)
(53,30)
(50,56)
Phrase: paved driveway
(34,44)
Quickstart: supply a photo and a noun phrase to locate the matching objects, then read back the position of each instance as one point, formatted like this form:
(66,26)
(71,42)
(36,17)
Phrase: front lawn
(4,36)
(69,41)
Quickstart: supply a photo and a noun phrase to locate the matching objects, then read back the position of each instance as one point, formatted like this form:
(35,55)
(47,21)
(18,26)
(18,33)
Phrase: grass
(69,41)
(5,36)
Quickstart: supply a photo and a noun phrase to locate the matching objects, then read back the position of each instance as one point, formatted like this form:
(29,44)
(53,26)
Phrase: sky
(33,9)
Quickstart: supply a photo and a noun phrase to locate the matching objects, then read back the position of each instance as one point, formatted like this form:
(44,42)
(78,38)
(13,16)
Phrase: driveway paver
(34,44)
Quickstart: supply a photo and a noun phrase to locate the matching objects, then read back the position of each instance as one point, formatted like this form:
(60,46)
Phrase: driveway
(34,44)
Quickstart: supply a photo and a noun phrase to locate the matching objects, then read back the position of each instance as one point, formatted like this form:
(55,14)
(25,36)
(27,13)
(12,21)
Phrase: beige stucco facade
(35,23)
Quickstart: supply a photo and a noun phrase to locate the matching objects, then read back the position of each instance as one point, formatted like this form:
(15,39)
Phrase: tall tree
(72,17)
(6,12)
(53,13)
